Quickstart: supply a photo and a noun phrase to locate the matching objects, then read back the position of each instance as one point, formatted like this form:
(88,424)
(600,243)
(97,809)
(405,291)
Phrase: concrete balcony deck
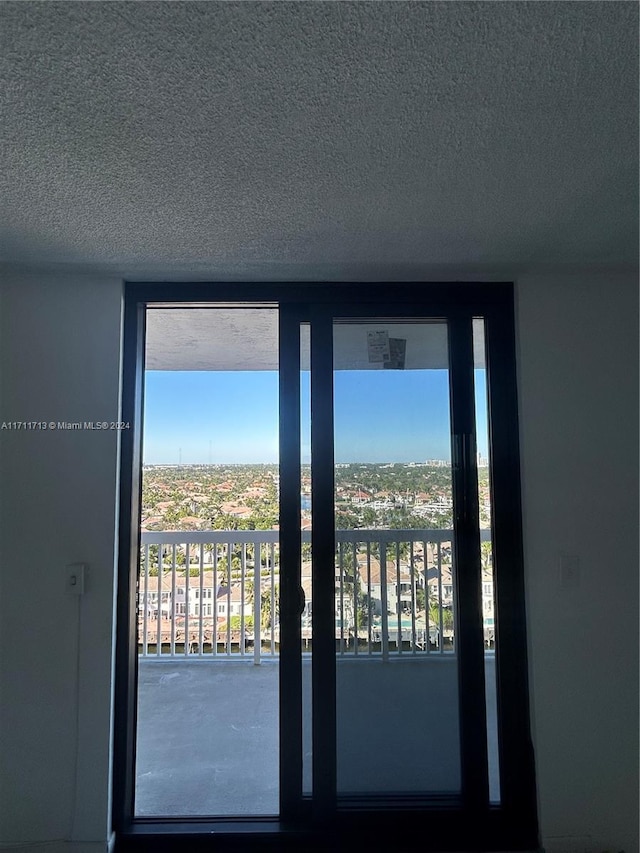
(208,731)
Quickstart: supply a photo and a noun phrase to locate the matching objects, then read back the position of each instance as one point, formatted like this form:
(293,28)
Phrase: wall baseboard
(578,844)
(58,846)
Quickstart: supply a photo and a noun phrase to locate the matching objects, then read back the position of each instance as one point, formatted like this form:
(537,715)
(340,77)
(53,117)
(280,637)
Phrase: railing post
(384,601)
(369,603)
(398,601)
(228,594)
(159,607)
(214,646)
(145,599)
(187,600)
(412,579)
(356,585)
(173,603)
(243,574)
(257,594)
(341,595)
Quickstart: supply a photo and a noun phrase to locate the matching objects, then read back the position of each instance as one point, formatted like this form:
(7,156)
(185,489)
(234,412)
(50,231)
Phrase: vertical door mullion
(469,633)
(323,562)
(517,772)
(290,556)
(128,560)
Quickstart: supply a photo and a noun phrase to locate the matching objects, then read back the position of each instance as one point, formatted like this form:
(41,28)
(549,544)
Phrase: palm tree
(265,602)
(266,614)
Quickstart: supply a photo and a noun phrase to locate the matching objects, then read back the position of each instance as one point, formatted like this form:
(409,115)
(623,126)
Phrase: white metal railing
(214,594)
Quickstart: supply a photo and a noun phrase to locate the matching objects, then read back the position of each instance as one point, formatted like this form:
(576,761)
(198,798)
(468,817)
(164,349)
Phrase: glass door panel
(207,736)
(395,606)
(306,565)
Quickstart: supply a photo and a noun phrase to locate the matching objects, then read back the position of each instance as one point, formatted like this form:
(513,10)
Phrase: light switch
(75,578)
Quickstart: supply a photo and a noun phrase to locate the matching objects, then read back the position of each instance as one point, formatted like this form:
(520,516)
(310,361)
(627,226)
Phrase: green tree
(236,622)
(149,567)
(265,603)
(266,616)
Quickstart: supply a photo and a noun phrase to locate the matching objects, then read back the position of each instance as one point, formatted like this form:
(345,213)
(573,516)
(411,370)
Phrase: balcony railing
(215,594)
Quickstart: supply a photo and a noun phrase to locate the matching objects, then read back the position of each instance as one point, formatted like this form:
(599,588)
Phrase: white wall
(578,361)
(60,357)
(578,378)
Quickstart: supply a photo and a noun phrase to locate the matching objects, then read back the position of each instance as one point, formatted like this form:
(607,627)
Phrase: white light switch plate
(75,578)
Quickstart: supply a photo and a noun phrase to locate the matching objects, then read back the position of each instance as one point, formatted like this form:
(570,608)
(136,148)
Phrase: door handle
(301,600)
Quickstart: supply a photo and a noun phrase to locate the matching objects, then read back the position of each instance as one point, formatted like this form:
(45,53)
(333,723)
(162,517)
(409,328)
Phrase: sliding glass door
(207,733)
(395,597)
(395,544)
(357,674)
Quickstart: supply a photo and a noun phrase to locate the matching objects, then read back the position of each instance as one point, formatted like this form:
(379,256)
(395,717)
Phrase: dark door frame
(471,822)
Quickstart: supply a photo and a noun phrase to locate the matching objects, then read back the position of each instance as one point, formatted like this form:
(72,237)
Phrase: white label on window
(378,346)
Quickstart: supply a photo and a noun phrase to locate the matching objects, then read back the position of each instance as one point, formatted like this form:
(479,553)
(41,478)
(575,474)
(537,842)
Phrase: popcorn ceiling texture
(282,140)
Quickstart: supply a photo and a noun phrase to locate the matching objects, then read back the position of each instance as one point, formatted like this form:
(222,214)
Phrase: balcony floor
(208,738)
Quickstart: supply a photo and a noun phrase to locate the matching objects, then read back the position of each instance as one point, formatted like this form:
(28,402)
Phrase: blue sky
(226,417)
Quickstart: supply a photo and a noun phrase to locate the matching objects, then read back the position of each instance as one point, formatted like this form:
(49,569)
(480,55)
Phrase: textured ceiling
(318,140)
